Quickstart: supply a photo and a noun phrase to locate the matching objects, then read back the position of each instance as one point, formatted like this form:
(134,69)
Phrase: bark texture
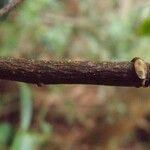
(8,7)
(70,72)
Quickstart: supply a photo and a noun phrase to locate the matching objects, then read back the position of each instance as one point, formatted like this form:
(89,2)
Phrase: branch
(70,72)
(11,4)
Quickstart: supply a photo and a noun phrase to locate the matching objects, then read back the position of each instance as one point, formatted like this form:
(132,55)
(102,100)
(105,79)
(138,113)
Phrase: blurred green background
(71,117)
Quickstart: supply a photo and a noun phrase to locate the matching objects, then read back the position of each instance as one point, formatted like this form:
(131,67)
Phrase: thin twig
(11,4)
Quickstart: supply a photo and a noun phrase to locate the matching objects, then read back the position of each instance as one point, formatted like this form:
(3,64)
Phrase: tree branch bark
(8,7)
(70,72)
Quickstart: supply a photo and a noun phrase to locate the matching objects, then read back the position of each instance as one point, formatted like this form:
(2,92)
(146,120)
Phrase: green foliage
(6,132)
(25,141)
(57,34)
(45,126)
(28,140)
(9,39)
(144,28)
(56,5)
(141,48)
(56,38)
(25,106)
(30,12)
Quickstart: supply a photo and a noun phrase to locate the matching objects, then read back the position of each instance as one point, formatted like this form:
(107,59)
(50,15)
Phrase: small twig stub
(141,69)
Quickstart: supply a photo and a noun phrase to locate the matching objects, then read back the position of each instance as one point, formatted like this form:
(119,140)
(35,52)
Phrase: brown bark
(8,7)
(70,72)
